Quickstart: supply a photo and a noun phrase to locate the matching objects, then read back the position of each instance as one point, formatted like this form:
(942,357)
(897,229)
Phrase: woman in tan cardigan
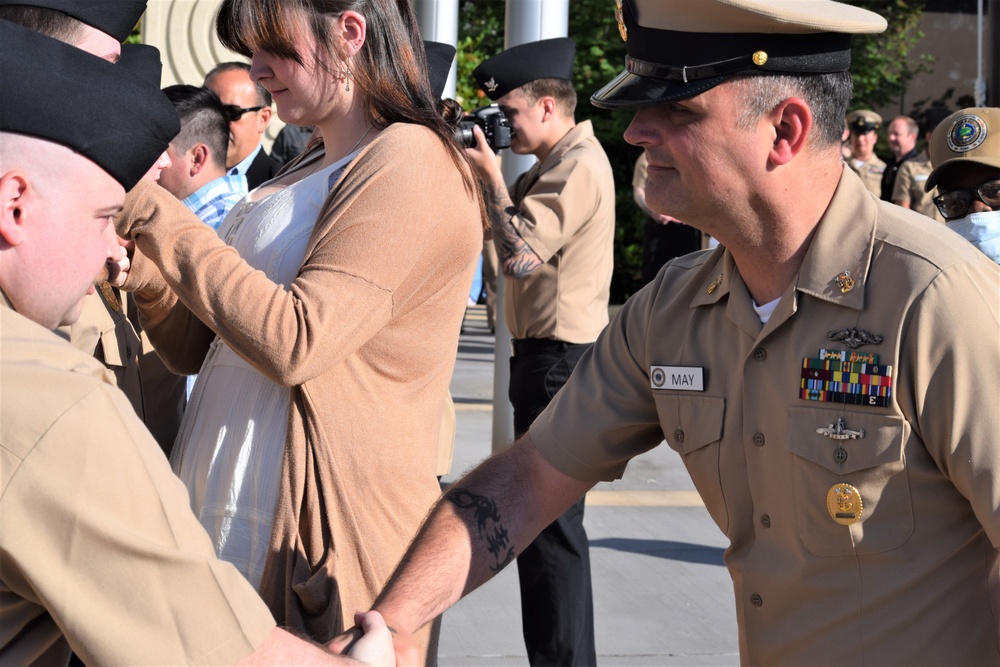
(324,324)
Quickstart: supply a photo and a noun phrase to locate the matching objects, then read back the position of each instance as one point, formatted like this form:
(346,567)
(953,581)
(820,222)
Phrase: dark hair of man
(560,90)
(828,96)
(263,96)
(203,121)
(393,65)
(49,22)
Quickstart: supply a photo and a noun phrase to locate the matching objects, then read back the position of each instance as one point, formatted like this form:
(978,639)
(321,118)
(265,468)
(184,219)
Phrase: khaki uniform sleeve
(950,379)
(639,172)
(904,183)
(562,200)
(99,532)
(605,414)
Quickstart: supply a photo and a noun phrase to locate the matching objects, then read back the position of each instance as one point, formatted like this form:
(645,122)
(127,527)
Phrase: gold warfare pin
(843,501)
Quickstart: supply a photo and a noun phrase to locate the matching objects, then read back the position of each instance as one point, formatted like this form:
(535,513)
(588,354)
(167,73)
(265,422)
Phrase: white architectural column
(438,21)
(525,21)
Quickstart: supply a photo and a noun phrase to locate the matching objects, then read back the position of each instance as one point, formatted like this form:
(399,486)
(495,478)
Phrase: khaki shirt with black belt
(566,215)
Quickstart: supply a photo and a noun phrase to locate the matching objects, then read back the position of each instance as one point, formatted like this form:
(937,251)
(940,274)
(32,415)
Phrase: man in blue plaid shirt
(197,175)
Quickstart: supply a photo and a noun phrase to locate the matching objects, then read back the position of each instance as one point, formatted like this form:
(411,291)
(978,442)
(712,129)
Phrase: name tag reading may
(685,378)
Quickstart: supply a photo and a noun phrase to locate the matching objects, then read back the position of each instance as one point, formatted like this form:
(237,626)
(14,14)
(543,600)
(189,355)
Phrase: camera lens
(464,135)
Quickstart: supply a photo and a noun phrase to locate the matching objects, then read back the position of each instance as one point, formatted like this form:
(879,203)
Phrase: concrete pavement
(661,593)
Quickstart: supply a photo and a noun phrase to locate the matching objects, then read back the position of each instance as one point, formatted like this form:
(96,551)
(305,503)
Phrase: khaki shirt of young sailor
(909,187)
(915,581)
(870,171)
(567,217)
(98,542)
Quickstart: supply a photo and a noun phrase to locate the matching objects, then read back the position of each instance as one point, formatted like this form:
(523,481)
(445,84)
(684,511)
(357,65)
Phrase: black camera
(493,123)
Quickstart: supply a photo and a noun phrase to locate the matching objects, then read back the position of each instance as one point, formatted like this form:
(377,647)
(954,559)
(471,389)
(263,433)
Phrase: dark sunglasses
(235,113)
(955,204)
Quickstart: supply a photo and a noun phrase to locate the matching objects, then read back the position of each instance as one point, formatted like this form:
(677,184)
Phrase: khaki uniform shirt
(566,215)
(105,332)
(100,551)
(870,171)
(863,528)
(909,187)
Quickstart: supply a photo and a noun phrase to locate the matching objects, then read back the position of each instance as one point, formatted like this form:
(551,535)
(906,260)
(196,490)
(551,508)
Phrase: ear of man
(200,158)
(16,200)
(792,121)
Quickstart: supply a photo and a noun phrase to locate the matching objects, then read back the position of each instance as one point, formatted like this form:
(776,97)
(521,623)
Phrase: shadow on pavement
(681,551)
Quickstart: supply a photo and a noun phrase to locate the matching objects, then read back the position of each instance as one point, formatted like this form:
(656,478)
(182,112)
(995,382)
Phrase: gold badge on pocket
(843,501)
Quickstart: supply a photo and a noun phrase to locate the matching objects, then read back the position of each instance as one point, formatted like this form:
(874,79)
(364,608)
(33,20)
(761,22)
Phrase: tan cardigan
(365,338)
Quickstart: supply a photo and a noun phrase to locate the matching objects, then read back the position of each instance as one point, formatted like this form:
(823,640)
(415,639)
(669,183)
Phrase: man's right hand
(483,157)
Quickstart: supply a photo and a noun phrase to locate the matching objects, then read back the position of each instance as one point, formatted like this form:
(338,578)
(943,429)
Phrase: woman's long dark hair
(393,66)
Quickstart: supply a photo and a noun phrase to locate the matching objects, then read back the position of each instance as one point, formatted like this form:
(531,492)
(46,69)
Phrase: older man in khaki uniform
(862,124)
(823,374)
(554,235)
(100,552)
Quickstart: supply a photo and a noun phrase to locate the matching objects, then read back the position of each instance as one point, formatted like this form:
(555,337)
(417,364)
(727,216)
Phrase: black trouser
(557,601)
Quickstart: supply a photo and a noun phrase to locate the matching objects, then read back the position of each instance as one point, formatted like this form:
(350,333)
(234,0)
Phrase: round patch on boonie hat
(967,136)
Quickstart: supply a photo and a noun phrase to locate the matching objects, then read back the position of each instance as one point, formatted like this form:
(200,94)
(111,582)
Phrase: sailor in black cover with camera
(554,234)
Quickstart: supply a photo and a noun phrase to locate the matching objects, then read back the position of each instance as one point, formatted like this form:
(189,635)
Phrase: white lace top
(230,446)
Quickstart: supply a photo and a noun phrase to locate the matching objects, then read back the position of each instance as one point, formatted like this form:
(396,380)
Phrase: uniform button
(765,521)
(756,600)
(760,354)
(758,439)
(679,435)
(840,455)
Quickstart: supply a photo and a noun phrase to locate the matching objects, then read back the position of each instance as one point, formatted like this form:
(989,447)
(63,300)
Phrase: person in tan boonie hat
(965,154)
(821,374)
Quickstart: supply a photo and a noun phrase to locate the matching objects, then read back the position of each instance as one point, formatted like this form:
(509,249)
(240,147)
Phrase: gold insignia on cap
(715,283)
(759,58)
(622,30)
(843,502)
(491,85)
(845,282)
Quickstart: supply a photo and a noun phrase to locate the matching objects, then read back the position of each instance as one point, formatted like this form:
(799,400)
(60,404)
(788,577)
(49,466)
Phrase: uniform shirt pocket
(873,464)
(692,427)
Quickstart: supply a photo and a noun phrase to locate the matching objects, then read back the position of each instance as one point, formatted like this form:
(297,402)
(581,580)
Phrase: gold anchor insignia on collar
(622,30)
(715,283)
(844,281)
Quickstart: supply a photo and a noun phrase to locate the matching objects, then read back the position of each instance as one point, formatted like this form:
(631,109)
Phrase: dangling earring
(347,74)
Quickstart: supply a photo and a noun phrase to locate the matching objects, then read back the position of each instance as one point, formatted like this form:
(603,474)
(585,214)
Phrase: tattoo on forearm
(516,257)
(488,523)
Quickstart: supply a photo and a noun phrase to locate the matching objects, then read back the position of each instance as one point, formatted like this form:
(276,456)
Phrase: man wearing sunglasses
(249,108)
(965,154)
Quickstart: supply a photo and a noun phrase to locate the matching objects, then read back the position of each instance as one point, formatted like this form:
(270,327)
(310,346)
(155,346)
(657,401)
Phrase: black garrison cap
(679,48)
(115,17)
(518,65)
(439,58)
(62,94)
(143,60)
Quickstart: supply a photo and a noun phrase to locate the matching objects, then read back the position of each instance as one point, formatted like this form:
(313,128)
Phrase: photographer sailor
(554,234)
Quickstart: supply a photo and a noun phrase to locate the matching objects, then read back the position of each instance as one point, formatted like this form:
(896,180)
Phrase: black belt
(539,345)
